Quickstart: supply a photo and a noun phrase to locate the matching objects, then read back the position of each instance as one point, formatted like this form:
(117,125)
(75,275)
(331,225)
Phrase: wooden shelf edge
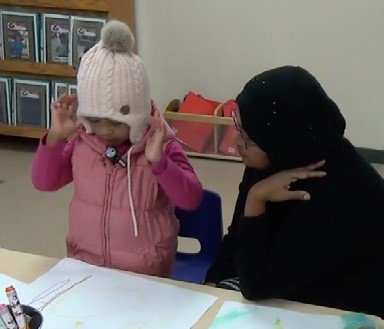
(86,5)
(171,113)
(198,118)
(214,156)
(37,68)
(18,131)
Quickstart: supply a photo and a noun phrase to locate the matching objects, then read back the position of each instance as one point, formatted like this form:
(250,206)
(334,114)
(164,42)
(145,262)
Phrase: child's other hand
(64,122)
(154,147)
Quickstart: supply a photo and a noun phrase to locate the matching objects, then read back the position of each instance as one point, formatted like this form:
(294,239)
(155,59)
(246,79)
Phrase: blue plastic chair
(206,225)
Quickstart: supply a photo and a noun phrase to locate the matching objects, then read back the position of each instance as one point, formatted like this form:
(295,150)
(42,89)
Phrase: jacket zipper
(105,221)
(105,245)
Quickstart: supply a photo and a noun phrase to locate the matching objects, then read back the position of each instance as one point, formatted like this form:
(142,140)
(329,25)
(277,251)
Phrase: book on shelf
(19,36)
(85,33)
(55,36)
(31,100)
(5,101)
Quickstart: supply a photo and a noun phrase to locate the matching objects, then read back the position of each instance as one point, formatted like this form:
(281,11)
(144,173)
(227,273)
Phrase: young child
(128,169)
(18,45)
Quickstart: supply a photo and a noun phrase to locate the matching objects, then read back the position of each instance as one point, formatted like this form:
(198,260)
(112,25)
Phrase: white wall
(215,46)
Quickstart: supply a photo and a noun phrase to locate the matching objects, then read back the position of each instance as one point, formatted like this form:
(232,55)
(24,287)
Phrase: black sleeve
(224,266)
(311,242)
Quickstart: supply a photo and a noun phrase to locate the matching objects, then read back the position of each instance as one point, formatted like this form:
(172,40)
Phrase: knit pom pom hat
(112,82)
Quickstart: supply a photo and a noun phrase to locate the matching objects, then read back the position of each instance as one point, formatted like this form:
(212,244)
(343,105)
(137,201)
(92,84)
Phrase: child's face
(111,133)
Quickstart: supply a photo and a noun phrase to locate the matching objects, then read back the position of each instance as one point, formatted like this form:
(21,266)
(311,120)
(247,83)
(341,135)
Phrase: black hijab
(286,112)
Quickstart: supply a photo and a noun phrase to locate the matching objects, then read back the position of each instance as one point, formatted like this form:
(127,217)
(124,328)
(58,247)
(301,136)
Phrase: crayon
(16,307)
(7,317)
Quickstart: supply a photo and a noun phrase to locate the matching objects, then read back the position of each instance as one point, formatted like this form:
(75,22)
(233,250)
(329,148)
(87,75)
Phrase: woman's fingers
(316,165)
(306,174)
(312,174)
(311,167)
(298,195)
(294,177)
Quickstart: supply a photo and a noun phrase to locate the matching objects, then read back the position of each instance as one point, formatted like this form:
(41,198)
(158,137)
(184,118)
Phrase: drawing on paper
(357,321)
(277,324)
(238,315)
(78,295)
(52,293)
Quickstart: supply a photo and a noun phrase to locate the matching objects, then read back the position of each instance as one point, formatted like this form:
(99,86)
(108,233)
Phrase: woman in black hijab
(311,234)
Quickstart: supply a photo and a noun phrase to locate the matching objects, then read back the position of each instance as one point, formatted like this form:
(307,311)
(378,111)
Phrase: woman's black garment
(327,251)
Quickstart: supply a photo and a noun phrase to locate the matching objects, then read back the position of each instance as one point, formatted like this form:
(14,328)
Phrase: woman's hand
(276,188)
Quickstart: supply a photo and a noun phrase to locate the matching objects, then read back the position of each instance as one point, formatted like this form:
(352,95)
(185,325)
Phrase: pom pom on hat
(116,36)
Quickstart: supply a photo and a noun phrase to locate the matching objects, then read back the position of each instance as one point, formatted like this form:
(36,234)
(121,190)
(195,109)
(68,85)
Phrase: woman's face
(251,155)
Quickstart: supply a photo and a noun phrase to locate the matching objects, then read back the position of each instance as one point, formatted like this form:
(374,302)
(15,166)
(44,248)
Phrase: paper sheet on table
(250,316)
(103,298)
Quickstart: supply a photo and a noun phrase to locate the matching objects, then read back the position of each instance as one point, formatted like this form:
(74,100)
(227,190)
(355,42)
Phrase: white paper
(108,299)
(250,316)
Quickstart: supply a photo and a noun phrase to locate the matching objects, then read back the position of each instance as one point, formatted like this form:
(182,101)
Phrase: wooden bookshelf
(87,5)
(22,131)
(114,9)
(217,120)
(55,70)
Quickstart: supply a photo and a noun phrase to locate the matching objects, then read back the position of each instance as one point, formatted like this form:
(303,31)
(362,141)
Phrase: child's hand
(64,122)
(154,147)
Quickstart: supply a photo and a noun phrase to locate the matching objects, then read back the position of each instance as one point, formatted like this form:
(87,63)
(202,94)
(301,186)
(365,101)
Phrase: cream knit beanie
(112,82)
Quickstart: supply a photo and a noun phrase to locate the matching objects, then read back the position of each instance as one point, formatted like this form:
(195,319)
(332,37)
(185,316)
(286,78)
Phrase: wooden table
(27,267)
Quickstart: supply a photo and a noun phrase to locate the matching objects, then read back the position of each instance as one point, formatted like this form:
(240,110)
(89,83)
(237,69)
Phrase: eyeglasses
(246,140)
